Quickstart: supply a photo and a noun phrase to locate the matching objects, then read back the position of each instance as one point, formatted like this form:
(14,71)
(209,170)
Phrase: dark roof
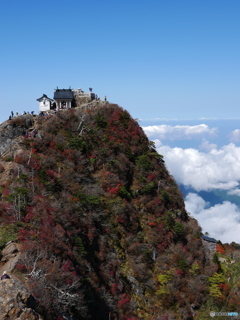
(209,239)
(43,96)
(63,94)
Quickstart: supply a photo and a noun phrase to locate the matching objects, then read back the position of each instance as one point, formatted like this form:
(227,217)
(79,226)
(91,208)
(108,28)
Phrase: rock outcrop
(10,256)
(16,303)
(11,129)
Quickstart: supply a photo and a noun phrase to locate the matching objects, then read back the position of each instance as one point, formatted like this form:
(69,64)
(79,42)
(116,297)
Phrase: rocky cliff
(10,130)
(16,303)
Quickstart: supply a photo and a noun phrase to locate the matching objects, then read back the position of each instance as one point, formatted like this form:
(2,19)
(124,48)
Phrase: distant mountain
(100,223)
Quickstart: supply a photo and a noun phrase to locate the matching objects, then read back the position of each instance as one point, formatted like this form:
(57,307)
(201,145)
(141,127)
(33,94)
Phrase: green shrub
(80,245)
(79,143)
(143,162)
(169,220)
(215,281)
(89,200)
(178,230)
(166,198)
(182,263)
(8,233)
(101,121)
(123,193)
(149,188)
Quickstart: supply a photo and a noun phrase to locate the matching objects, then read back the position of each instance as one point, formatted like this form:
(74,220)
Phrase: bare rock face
(10,256)
(10,251)
(16,303)
(9,130)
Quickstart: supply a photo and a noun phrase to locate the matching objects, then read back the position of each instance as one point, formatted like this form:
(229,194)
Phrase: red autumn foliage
(114,190)
(220,249)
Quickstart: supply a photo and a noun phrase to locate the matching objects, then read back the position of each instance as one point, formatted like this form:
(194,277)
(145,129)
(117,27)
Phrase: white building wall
(44,105)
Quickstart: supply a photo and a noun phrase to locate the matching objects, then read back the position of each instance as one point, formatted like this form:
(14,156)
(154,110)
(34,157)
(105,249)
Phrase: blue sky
(164,59)
(173,64)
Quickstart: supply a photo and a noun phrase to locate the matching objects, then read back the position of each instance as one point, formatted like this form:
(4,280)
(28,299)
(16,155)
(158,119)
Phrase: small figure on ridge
(5,276)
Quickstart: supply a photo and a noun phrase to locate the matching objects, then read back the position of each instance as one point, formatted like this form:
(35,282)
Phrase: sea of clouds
(204,167)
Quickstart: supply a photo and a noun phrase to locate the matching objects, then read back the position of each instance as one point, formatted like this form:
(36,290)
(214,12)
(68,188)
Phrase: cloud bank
(205,168)
(216,169)
(235,136)
(221,221)
(168,132)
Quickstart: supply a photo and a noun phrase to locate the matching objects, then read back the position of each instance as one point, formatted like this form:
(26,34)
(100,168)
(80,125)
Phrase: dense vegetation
(103,227)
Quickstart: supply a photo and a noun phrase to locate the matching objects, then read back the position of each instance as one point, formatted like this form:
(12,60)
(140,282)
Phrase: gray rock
(15,302)
(9,130)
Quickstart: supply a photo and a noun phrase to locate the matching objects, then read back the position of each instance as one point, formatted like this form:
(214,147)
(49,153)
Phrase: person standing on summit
(5,276)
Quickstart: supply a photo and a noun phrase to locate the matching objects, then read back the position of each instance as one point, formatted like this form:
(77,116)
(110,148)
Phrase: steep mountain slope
(102,224)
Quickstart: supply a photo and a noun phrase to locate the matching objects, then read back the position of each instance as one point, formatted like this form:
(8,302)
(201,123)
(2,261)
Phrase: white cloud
(234,192)
(235,136)
(157,143)
(207,146)
(168,132)
(221,221)
(194,203)
(208,168)
(216,169)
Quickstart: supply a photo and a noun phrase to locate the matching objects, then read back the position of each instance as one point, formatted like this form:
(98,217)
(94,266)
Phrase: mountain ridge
(102,224)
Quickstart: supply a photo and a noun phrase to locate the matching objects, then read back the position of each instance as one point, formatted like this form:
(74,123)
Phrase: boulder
(16,302)
(10,256)
(10,251)
(223,260)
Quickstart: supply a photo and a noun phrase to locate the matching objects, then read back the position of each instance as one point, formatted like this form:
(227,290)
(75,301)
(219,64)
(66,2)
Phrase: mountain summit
(102,225)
